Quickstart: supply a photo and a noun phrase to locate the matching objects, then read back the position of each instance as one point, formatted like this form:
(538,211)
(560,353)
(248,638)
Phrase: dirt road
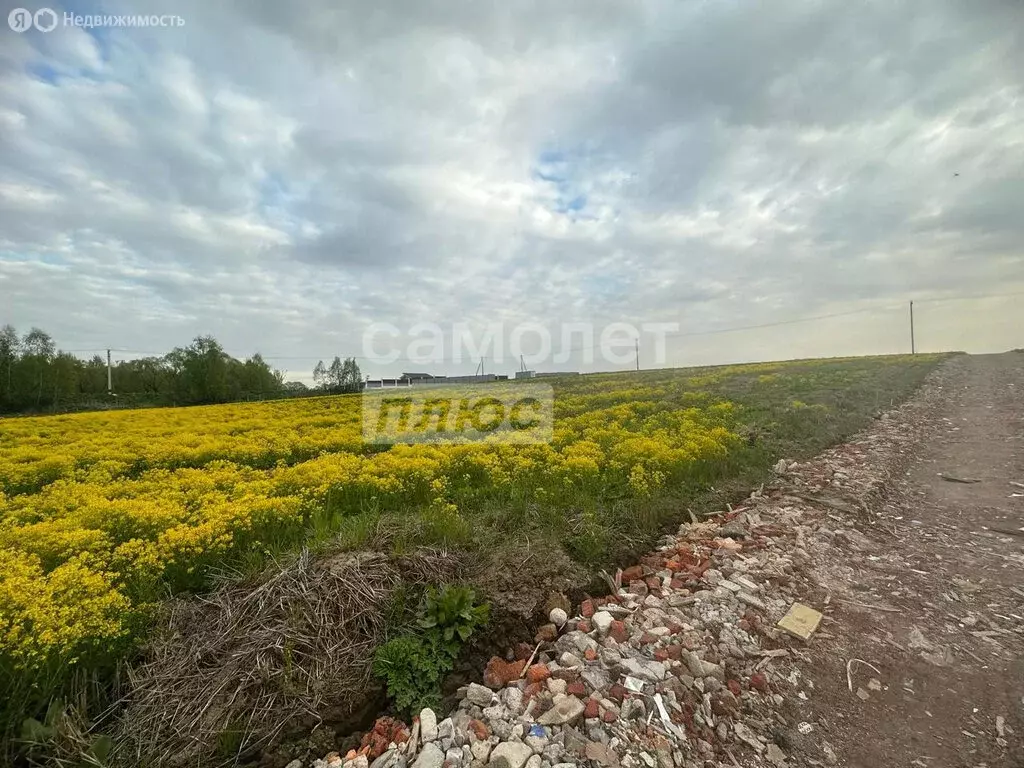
(932,594)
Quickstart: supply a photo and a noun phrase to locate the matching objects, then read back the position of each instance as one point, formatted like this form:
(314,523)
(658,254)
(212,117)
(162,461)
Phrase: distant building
(555,373)
(428,379)
(525,374)
(384,383)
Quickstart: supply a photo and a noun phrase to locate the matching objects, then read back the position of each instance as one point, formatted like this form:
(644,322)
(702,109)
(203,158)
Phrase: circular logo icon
(19,20)
(45,19)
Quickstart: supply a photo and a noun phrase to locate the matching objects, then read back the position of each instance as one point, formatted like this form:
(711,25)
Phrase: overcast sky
(280,175)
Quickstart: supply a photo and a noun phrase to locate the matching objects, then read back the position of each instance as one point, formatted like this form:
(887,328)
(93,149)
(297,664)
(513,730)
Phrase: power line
(677,334)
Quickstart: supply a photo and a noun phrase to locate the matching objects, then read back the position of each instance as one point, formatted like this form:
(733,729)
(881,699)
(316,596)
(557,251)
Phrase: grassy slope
(792,410)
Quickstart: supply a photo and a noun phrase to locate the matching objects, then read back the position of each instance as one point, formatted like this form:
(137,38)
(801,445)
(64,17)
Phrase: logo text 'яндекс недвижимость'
(47,20)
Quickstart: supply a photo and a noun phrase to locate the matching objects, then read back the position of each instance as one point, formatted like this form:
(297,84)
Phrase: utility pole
(913,349)
(637,353)
(110,384)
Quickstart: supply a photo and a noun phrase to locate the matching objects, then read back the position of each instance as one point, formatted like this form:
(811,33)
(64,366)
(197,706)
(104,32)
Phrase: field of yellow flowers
(104,514)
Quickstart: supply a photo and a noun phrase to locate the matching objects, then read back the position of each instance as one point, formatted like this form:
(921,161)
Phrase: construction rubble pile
(689,658)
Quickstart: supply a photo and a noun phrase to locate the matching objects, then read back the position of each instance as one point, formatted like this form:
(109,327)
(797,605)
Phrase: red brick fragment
(587,608)
(609,716)
(532,690)
(576,689)
(480,730)
(632,573)
(590,654)
(648,639)
(618,631)
(638,587)
(759,682)
(547,633)
(537,673)
(591,709)
(618,692)
(385,730)
(735,687)
(500,673)
(584,625)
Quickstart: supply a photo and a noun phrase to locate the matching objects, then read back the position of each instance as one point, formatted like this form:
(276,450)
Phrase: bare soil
(932,594)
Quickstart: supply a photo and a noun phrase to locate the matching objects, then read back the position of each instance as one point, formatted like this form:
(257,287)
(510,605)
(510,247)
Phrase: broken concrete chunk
(510,754)
(480,695)
(753,602)
(566,709)
(602,621)
(648,670)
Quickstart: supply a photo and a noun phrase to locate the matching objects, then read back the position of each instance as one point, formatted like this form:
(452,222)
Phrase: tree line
(37,377)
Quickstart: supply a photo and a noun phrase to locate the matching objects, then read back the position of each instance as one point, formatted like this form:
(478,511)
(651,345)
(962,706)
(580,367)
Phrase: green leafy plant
(449,617)
(412,671)
(414,664)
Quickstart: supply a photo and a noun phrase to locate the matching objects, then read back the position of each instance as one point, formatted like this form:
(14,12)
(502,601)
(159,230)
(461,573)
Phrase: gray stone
(733,530)
(480,695)
(430,756)
(572,740)
(428,724)
(566,709)
(774,755)
(584,642)
(385,760)
(296,764)
(570,660)
(501,728)
(510,754)
(497,712)
(601,754)
(553,753)
(446,729)
(701,668)
(602,621)
(596,678)
(512,698)
(453,756)
(648,670)
(753,602)
(534,762)
(537,743)
(481,750)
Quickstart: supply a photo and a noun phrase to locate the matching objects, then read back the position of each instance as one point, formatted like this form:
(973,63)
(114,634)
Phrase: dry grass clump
(236,669)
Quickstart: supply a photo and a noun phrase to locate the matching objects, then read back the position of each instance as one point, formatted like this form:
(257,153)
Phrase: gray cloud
(283,178)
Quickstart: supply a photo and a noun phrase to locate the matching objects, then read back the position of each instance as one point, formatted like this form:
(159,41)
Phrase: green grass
(792,410)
